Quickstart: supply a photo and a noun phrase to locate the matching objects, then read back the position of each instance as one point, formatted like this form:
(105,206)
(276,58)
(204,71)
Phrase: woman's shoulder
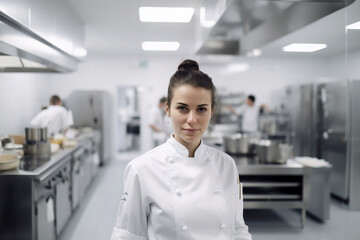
(149,158)
(218,154)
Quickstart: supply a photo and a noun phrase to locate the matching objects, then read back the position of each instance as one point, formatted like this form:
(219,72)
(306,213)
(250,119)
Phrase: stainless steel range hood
(249,24)
(33,52)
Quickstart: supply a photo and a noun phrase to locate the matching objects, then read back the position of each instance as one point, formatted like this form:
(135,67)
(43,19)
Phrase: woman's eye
(181,108)
(202,109)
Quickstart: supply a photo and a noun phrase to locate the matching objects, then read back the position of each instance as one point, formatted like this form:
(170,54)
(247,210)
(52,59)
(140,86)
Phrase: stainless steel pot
(35,135)
(238,144)
(269,152)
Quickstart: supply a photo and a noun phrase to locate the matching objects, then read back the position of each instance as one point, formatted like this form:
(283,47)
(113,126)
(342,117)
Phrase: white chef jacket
(168,195)
(249,117)
(55,118)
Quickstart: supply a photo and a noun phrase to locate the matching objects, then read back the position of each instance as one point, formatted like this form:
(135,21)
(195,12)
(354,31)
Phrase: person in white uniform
(250,115)
(156,122)
(55,117)
(183,189)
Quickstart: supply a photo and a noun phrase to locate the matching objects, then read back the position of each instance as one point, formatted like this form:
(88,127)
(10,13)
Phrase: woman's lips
(190,130)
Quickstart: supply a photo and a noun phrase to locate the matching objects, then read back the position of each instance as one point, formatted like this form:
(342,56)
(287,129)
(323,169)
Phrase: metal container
(238,144)
(43,134)
(32,135)
(269,152)
(35,135)
(286,152)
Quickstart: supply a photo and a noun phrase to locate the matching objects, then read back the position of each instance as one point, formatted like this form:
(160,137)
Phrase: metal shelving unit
(274,186)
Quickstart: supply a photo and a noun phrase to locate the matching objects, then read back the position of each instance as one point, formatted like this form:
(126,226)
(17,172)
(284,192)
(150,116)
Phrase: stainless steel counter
(41,194)
(34,166)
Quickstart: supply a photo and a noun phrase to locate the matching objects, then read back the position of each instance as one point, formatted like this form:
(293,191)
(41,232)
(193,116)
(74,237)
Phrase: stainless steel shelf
(272,196)
(271,184)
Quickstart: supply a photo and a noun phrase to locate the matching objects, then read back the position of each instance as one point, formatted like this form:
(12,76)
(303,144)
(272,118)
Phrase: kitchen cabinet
(39,197)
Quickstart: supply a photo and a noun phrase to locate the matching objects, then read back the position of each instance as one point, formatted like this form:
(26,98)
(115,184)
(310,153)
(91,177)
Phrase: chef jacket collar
(183,151)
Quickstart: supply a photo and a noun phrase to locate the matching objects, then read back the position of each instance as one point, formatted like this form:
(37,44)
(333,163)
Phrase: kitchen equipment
(36,142)
(239,143)
(32,135)
(286,152)
(269,152)
(8,161)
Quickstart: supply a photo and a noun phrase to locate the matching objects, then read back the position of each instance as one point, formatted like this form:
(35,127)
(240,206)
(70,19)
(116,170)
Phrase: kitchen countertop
(44,164)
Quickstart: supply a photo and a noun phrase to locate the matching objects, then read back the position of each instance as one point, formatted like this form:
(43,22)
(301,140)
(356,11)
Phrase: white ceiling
(113,27)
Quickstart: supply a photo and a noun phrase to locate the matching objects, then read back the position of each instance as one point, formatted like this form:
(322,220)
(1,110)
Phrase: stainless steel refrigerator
(325,118)
(93,109)
(339,111)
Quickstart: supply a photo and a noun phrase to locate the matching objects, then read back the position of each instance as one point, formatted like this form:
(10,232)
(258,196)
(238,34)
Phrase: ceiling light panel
(304,47)
(354,26)
(166,14)
(160,46)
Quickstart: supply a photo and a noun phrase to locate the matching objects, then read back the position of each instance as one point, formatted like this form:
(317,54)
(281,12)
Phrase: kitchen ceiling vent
(23,50)
(245,25)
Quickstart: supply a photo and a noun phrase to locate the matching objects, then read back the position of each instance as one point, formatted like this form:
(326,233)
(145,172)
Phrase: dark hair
(188,73)
(251,98)
(162,100)
(54,99)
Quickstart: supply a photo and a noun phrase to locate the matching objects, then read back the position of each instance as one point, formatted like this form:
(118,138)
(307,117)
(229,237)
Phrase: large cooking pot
(35,135)
(268,151)
(273,151)
(239,143)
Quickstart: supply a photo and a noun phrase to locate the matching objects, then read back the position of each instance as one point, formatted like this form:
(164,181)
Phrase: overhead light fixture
(18,63)
(304,47)
(160,46)
(203,21)
(354,26)
(80,52)
(166,14)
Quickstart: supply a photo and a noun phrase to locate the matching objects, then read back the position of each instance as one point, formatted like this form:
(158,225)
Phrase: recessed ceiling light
(205,22)
(160,46)
(304,47)
(354,26)
(165,14)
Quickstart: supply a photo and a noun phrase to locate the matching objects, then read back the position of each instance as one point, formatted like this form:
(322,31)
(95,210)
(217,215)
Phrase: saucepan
(273,152)
(240,143)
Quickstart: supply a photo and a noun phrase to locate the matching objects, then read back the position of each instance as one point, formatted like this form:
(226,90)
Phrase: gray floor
(95,217)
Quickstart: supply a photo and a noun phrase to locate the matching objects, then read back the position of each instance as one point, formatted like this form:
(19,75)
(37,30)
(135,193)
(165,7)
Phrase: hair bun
(189,64)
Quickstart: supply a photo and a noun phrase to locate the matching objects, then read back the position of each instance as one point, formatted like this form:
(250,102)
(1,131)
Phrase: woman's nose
(191,117)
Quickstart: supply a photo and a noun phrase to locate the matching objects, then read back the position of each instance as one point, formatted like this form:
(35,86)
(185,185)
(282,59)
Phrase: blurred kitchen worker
(249,113)
(156,122)
(183,189)
(55,117)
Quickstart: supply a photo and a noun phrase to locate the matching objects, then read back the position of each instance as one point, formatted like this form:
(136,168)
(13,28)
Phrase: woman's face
(190,112)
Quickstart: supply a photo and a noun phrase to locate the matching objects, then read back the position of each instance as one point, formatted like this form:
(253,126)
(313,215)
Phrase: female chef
(183,189)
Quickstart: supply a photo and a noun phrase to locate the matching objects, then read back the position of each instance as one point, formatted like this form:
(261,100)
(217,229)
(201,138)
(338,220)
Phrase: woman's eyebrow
(203,105)
(180,103)
(200,105)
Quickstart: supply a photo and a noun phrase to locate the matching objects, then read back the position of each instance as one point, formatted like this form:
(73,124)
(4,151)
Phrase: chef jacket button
(217,191)
(222,226)
(178,192)
(171,160)
(184,228)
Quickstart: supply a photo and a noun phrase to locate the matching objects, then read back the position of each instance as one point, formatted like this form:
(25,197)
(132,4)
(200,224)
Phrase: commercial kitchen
(110,64)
